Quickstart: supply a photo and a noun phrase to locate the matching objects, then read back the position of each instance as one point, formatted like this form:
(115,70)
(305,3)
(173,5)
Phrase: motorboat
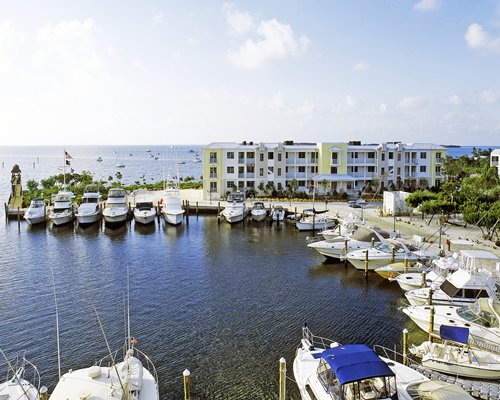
(344,229)
(324,369)
(144,210)
(381,254)
(197,159)
(482,319)
(436,390)
(455,357)
(99,159)
(362,238)
(392,270)
(315,220)
(278,213)
(120,165)
(258,211)
(36,212)
(22,381)
(172,208)
(116,210)
(236,209)
(90,209)
(63,211)
(181,162)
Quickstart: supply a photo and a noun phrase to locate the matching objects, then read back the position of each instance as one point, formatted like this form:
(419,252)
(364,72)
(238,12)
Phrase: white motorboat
(172,210)
(36,212)
(482,319)
(392,270)
(117,210)
(144,210)
(345,228)
(236,209)
(89,211)
(315,220)
(454,357)
(197,159)
(381,254)
(278,213)
(258,211)
(22,381)
(63,211)
(324,369)
(360,239)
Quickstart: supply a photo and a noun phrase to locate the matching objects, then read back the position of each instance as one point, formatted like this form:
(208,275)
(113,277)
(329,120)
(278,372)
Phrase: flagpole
(64,179)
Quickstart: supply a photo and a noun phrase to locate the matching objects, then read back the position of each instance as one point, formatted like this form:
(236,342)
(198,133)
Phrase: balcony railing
(213,160)
(213,175)
(241,175)
(241,160)
(250,175)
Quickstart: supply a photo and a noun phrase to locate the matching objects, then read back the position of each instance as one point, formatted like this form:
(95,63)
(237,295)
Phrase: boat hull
(317,225)
(468,371)
(115,219)
(173,218)
(88,219)
(144,217)
(35,220)
(234,217)
(259,216)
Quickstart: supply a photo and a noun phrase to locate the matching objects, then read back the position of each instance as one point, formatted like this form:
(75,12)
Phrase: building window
(371,154)
(213,157)
(250,154)
(302,169)
(371,168)
(241,184)
(270,169)
(302,183)
(333,170)
(279,171)
(382,171)
(354,154)
(423,168)
(302,154)
(230,184)
(213,172)
(280,186)
(391,155)
(438,156)
(383,156)
(438,170)
(261,172)
(241,157)
(286,154)
(250,169)
(230,170)
(279,156)
(250,184)
(230,155)
(270,155)
(399,170)
(423,154)
(314,169)
(399,156)
(261,156)
(213,186)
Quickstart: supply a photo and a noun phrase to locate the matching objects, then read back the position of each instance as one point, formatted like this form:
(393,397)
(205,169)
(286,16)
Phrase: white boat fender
(95,371)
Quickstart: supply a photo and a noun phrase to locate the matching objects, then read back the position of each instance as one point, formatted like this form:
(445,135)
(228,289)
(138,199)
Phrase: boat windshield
(478,316)
(144,206)
(382,387)
(383,247)
(237,197)
(90,199)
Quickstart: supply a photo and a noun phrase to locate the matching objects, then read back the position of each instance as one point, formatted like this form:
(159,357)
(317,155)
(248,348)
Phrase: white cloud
(350,101)
(455,100)
(361,66)
(238,22)
(140,65)
(276,41)
(477,38)
(427,5)
(412,103)
(157,19)
(490,96)
(10,40)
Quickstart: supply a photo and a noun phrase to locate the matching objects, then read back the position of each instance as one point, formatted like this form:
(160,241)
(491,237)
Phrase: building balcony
(312,161)
(213,160)
(241,161)
(439,160)
(250,175)
(213,175)
(241,175)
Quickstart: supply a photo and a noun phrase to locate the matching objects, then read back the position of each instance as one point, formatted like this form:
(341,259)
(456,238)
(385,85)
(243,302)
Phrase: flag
(67,156)
(68,162)
(133,341)
(72,171)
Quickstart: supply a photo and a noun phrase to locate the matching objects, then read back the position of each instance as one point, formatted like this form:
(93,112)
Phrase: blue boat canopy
(354,362)
(455,333)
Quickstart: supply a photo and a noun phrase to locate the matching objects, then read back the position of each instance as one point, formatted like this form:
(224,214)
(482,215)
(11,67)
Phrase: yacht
(22,381)
(481,317)
(315,220)
(258,211)
(144,210)
(455,357)
(117,210)
(89,210)
(361,239)
(172,211)
(278,213)
(381,254)
(36,212)
(236,209)
(326,370)
(63,211)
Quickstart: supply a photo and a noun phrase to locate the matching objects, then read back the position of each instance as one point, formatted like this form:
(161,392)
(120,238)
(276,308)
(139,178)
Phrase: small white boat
(181,162)
(22,381)
(197,159)
(344,229)
(36,212)
(381,254)
(314,220)
(392,270)
(172,211)
(258,211)
(120,165)
(130,154)
(117,210)
(144,210)
(99,159)
(236,209)
(454,357)
(278,213)
(89,211)
(63,211)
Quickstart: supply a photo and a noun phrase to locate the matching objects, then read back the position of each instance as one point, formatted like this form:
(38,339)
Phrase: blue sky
(160,72)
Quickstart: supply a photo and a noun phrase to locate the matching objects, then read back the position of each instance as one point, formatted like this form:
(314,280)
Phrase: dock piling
(18,216)
(393,254)
(423,279)
(196,209)
(405,346)
(373,243)
(429,299)
(366,264)
(187,384)
(44,393)
(282,393)
(431,323)
(345,253)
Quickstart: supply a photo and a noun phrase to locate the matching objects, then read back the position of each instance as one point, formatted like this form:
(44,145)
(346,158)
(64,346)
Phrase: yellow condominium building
(340,167)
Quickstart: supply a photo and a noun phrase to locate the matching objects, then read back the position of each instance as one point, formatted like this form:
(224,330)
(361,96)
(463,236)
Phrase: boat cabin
(236,197)
(355,372)
(37,203)
(484,312)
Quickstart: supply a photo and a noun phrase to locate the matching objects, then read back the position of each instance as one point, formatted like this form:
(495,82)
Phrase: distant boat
(181,162)
(156,157)
(120,165)
(191,151)
(99,159)
(130,154)
(148,151)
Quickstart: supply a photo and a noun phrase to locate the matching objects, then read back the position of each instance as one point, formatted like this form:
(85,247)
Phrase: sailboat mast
(64,174)
(128,309)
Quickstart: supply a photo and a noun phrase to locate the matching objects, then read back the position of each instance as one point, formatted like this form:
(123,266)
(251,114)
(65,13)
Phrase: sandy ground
(406,227)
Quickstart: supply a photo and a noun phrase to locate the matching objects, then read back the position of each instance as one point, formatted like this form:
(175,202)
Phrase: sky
(194,72)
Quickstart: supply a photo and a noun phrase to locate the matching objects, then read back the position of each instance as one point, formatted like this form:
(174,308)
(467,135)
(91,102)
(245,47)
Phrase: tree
(261,187)
(293,185)
(32,185)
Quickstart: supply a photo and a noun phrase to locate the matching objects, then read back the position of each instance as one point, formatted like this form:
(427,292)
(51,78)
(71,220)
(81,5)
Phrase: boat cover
(354,362)
(455,333)
(438,390)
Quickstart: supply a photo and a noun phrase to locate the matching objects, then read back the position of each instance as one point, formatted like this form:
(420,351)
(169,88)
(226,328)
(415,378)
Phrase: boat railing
(316,341)
(481,344)
(23,369)
(394,355)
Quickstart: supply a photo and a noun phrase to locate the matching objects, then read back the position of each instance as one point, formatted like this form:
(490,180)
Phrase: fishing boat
(455,357)
(36,212)
(258,211)
(236,209)
(172,211)
(22,381)
(144,210)
(116,210)
(278,213)
(63,211)
(381,254)
(89,211)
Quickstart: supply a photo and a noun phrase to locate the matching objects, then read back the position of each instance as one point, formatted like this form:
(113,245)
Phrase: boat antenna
(57,325)
(128,310)
(16,375)
(64,184)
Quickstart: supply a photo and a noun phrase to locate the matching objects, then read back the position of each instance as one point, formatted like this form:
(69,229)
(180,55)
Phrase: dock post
(345,253)
(314,219)
(44,393)
(158,212)
(429,299)
(393,254)
(218,207)
(373,243)
(282,393)
(406,264)
(18,216)
(6,213)
(295,215)
(196,209)
(340,229)
(366,264)
(423,279)
(187,384)
(187,211)
(405,346)
(431,323)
